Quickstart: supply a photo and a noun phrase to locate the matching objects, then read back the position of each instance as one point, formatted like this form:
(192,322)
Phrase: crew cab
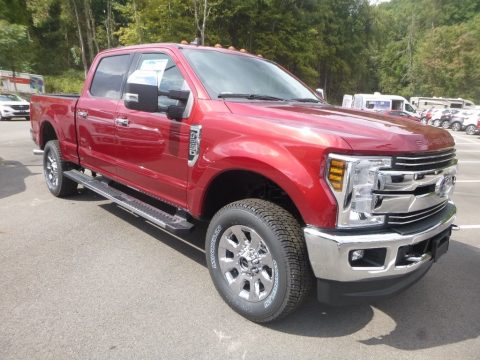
(294,191)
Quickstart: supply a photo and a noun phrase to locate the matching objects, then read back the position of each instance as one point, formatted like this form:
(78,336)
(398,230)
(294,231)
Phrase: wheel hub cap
(51,170)
(246,263)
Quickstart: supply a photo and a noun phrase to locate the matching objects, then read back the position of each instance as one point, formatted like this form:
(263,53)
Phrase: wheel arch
(47,133)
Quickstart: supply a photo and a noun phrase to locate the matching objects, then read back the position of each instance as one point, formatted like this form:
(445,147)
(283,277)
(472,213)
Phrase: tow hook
(37,152)
(455,227)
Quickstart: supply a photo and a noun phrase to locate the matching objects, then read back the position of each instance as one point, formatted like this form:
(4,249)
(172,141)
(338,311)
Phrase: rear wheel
(471,129)
(53,168)
(446,124)
(257,258)
(436,123)
(456,126)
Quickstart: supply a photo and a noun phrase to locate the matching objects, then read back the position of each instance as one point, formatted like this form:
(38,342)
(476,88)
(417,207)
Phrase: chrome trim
(403,219)
(122,122)
(82,114)
(194,144)
(397,203)
(37,152)
(328,252)
(395,180)
(411,161)
(433,156)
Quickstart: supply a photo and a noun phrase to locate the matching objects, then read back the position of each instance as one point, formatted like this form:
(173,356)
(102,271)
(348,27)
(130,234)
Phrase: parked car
(471,122)
(294,191)
(13,106)
(457,120)
(446,119)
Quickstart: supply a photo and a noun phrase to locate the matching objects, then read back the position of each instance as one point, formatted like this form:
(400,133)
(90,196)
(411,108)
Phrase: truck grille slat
(408,218)
(426,162)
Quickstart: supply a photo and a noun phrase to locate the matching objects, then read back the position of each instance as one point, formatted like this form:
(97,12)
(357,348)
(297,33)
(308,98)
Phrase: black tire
(53,168)
(471,129)
(436,123)
(291,275)
(446,124)
(3,118)
(456,126)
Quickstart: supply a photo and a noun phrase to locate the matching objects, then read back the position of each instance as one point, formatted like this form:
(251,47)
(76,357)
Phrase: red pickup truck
(294,190)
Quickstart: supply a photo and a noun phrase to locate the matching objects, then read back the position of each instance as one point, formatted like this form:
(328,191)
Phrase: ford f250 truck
(294,191)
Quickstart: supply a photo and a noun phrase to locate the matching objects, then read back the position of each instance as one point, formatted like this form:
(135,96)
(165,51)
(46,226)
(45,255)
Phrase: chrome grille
(426,161)
(408,218)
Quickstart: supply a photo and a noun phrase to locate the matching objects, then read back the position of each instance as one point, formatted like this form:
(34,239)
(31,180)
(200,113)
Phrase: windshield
(10,97)
(225,73)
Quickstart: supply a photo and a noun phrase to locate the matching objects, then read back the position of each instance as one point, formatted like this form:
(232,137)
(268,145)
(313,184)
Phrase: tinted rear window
(108,78)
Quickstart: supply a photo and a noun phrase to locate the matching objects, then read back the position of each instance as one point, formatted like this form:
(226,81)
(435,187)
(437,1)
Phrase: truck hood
(364,131)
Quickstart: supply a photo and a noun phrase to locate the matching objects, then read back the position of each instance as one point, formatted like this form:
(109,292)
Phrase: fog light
(356,255)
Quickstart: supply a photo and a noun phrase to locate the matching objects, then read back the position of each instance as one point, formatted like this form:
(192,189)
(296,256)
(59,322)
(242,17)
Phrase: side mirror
(141,91)
(180,95)
(175,112)
(320,93)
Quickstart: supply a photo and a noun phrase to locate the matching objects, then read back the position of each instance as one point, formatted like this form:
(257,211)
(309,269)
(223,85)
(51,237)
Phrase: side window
(108,78)
(168,75)
(409,108)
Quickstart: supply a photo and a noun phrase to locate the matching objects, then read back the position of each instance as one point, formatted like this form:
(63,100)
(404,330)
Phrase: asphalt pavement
(80,278)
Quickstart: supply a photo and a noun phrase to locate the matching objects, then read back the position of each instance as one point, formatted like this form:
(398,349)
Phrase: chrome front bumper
(329,251)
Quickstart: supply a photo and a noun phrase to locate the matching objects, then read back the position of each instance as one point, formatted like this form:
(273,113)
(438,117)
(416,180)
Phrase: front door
(152,149)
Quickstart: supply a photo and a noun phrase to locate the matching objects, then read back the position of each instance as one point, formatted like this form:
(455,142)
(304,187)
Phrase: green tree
(13,45)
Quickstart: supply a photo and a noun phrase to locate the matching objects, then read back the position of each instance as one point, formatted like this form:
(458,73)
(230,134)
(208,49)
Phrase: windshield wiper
(249,96)
(306,100)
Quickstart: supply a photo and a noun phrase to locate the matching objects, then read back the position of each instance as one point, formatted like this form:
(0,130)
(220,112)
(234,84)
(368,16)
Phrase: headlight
(352,180)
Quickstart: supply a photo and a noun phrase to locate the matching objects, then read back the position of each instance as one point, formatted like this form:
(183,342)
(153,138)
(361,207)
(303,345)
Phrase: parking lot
(83,279)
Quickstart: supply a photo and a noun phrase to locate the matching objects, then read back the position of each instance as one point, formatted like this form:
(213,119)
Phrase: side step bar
(171,223)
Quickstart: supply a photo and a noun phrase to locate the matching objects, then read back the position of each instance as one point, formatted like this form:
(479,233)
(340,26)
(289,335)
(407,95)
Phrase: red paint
(285,142)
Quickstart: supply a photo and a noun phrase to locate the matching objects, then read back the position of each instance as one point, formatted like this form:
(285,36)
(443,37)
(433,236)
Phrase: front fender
(293,168)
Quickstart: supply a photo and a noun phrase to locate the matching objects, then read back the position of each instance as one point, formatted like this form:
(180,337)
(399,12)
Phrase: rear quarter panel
(59,112)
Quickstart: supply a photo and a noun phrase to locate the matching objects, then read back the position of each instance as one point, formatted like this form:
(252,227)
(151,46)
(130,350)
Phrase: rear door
(152,149)
(95,115)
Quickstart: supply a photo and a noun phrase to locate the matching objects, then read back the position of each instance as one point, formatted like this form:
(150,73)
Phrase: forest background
(405,47)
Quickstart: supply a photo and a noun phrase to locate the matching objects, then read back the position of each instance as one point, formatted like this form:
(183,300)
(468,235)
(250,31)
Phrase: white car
(13,106)
(470,123)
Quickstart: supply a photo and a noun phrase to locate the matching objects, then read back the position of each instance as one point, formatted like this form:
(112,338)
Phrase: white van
(378,102)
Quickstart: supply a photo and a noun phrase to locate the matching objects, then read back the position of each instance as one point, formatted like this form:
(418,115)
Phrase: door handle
(82,114)
(121,122)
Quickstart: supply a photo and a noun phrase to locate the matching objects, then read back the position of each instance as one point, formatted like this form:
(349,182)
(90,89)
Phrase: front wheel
(258,260)
(436,123)
(456,126)
(446,124)
(53,168)
(471,129)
